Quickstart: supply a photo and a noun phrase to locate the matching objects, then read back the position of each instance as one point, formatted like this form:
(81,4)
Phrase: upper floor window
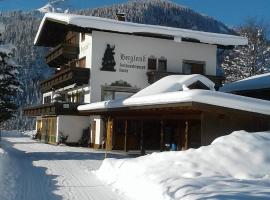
(152,63)
(162,64)
(82,62)
(193,67)
(82,37)
(47,99)
(77,97)
(72,38)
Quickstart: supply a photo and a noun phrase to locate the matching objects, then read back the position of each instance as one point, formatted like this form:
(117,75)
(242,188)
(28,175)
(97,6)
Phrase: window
(81,97)
(193,67)
(114,94)
(108,95)
(82,37)
(47,99)
(122,95)
(82,62)
(70,98)
(198,85)
(152,63)
(162,64)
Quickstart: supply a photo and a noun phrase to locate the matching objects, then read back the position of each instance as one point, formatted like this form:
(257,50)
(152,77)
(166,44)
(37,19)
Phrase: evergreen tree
(252,59)
(9,84)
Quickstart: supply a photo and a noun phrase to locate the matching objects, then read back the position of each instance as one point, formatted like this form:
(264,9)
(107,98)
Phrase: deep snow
(232,167)
(236,166)
(30,170)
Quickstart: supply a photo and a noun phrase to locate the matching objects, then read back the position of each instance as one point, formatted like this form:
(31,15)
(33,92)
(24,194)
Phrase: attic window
(162,64)
(198,85)
(152,63)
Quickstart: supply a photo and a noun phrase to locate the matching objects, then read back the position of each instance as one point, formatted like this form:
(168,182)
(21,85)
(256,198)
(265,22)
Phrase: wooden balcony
(154,76)
(66,77)
(52,109)
(62,54)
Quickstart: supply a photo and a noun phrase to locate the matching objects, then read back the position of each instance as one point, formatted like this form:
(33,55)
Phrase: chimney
(121,16)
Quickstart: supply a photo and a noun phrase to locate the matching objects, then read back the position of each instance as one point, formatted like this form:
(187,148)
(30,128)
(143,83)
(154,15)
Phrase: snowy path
(30,170)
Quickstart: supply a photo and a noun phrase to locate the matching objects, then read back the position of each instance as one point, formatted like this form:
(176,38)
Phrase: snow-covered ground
(30,170)
(232,167)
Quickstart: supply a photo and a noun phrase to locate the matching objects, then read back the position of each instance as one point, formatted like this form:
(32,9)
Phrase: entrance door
(151,134)
(52,129)
(48,129)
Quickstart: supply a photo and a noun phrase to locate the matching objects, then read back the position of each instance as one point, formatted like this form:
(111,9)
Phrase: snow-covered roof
(97,23)
(174,96)
(252,83)
(175,83)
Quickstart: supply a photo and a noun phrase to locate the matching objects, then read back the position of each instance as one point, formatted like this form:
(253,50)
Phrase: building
(100,59)
(177,112)
(256,86)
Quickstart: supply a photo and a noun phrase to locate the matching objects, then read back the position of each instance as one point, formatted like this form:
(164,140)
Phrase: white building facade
(122,58)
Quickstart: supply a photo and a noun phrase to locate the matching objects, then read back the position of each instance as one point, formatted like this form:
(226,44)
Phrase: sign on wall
(108,61)
(131,62)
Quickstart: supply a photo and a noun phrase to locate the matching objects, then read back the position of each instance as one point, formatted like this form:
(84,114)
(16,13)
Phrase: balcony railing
(66,77)
(62,54)
(154,76)
(56,108)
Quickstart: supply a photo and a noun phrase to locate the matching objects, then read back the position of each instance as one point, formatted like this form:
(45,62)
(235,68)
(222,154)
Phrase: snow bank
(29,133)
(232,167)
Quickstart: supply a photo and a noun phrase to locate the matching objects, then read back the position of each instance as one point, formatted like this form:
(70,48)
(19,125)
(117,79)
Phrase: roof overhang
(54,26)
(178,99)
(163,110)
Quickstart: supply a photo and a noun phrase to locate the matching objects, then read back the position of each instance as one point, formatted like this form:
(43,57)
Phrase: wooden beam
(109,136)
(161,135)
(142,148)
(125,143)
(186,135)
(159,115)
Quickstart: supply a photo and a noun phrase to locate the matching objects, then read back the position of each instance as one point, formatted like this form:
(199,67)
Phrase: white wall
(143,47)
(86,49)
(72,126)
(98,131)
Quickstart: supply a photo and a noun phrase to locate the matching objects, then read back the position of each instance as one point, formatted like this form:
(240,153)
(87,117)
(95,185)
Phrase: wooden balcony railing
(62,54)
(66,77)
(56,108)
(154,76)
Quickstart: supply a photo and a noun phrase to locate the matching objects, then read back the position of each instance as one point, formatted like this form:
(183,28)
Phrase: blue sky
(230,12)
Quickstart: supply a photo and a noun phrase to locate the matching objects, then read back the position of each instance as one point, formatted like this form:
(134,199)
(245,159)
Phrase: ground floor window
(162,135)
(48,129)
(117,90)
